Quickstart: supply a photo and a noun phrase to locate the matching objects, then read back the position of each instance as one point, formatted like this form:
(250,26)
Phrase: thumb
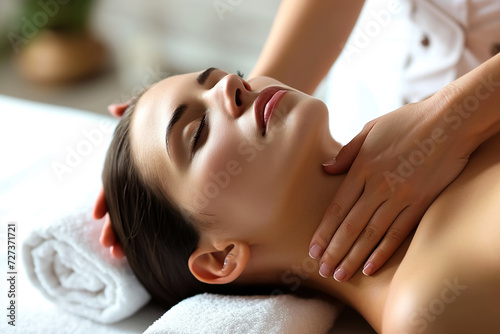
(343,161)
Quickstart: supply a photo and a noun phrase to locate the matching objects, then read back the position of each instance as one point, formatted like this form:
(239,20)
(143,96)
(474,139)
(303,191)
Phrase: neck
(282,258)
(285,261)
(284,252)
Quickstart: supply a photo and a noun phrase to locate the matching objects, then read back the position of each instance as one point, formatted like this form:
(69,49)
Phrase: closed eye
(198,133)
(202,125)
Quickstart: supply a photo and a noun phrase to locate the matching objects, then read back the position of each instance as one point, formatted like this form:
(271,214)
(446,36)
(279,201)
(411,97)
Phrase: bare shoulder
(448,279)
(465,217)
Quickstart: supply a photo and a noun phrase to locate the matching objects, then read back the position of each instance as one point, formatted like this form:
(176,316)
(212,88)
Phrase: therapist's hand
(108,238)
(397,165)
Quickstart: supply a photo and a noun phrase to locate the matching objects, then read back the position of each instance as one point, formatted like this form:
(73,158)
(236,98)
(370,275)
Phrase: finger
(117,109)
(117,251)
(346,235)
(100,208)
(349,192)
(344,159)
(394,237)
(367,241)
(107,238)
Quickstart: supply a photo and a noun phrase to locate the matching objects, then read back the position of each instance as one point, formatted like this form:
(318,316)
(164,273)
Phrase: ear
(213,266)
(100,208)
(117,109)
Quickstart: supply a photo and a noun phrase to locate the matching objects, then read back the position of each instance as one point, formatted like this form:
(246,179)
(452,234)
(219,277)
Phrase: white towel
(65,261)
(219,314)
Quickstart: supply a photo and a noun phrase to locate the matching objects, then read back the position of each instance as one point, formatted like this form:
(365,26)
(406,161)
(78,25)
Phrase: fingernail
(315,251)
(368,269)
(325,270)
(329,163)
(339,274)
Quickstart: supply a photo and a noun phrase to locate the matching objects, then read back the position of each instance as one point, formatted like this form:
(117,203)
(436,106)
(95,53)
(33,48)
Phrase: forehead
(162,96)
(148,129)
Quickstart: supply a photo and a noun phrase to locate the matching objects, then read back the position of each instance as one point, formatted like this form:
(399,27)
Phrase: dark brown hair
(156,237)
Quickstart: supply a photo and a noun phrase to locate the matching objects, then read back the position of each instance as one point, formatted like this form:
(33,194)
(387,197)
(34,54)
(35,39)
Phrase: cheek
(213,172)
(245,182)
(233,183)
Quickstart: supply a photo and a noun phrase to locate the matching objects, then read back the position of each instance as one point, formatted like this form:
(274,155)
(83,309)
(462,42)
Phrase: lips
(265,104)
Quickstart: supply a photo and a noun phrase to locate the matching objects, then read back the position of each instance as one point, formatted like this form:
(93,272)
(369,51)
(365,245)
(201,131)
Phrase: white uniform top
(421,48)
(450,38)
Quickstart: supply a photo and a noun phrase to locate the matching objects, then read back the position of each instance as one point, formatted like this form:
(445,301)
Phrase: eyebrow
(204,75)
(181,109)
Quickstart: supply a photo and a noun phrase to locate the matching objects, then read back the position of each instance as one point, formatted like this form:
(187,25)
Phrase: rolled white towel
(211,313)
(65,261)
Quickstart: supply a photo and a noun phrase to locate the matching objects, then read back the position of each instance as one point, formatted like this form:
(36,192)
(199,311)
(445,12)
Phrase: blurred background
(87,54)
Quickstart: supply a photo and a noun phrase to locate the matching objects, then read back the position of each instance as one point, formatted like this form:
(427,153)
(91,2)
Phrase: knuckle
(335,210)
(371,234)
(328,257)
(331,254)
(348,262)
(381,183)
(423,200)
(406,190)
(394,235)
(347,229)
(380,254)
(322,240)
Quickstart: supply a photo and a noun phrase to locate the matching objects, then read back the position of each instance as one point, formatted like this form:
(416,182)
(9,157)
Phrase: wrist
(470,105)
(450,136)
(461,113)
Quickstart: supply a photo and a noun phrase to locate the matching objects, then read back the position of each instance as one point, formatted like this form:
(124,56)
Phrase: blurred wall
(147,40)
(179,36)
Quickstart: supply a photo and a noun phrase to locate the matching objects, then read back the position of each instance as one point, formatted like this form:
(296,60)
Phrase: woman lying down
(214,184)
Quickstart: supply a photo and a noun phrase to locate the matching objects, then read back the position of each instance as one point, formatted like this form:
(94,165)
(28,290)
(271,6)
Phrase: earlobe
(213,266)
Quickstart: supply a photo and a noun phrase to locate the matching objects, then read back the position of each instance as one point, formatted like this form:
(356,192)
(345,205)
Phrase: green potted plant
(51,41)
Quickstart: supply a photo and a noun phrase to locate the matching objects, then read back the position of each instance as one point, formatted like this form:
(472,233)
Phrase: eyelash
(202,123)
(197,135)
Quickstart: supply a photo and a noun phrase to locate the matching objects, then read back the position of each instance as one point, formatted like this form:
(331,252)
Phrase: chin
(310,121)
(305,139)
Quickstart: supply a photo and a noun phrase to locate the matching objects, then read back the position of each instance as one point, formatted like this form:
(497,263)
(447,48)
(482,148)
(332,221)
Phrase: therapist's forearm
(306,38)
(471,104)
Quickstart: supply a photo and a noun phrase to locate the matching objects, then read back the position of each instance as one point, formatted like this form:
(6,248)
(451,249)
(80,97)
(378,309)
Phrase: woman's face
(203,139)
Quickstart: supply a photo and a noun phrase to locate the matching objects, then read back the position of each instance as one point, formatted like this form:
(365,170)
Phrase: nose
(234,95)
